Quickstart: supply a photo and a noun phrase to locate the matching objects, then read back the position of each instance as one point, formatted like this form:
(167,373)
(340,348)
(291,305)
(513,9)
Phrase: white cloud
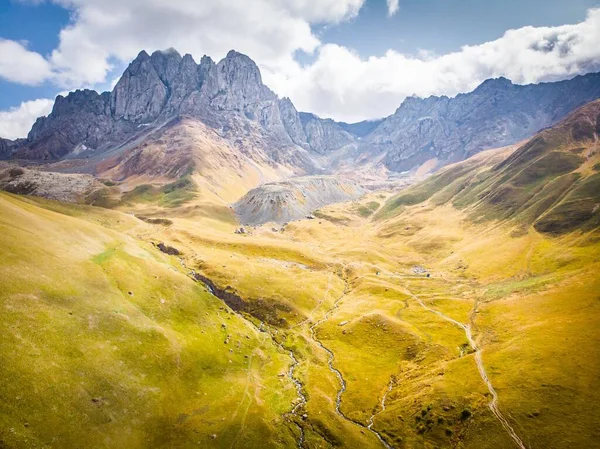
(17,121)
(339,83)
(19,65)
(269,31)
(342,85)
(393,6)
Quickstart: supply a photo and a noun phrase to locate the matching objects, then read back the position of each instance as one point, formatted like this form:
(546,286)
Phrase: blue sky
(350,59)
(446,25)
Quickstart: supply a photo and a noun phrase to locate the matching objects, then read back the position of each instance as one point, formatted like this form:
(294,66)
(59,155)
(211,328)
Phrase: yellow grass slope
(106,342)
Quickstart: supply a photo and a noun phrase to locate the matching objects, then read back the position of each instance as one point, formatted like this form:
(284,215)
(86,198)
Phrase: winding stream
(217,293)
(300,393)
(340,377)
(493,405)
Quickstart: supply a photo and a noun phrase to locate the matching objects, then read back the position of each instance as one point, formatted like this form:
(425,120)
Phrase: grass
(107,344)
(170,195)
(367,210)
(127,369)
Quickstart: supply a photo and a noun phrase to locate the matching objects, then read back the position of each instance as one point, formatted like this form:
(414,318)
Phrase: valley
(210,268)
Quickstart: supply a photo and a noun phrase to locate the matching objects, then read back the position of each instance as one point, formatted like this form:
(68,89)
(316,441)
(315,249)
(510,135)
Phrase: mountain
(360,129)
(88,131)
(228,96)
(324,135)
(551,182)
(495,114)
(7,147)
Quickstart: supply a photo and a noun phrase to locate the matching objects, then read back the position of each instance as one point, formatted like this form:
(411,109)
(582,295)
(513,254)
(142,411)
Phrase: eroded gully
(493,404)
(230,299)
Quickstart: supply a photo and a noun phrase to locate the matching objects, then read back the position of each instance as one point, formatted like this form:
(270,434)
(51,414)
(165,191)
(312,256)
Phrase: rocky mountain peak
(494,84)
(78,100)
(166,63)
(230,97)
(238,71)
(142,56)
(239,84)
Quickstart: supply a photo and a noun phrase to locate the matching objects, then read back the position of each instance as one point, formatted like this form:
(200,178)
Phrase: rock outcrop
(324,135)
(70,188)
(294,199)
(229,96)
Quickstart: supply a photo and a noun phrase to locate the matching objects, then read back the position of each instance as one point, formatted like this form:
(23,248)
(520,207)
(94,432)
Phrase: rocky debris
(171,251)
(294,199)
(418,269)
(157,221)
(461,266)
(70,188)
(240,231)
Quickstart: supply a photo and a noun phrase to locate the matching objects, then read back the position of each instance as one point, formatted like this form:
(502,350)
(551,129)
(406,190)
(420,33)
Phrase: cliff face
(496,114)
(7,147)
(230,97)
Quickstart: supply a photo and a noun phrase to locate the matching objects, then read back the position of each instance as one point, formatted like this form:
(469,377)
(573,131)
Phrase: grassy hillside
(550,182)
(106,342)
(376,318)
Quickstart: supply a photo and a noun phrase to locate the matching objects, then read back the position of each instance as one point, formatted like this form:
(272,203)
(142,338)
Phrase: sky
(350,60)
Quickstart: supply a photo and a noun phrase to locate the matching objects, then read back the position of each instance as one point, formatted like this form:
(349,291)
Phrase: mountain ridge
(230,97)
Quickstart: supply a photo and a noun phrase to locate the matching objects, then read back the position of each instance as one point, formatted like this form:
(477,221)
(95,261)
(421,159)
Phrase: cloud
(17,121)
(339,83)
(393,6)
(19,65)
(342,85)
(107,31)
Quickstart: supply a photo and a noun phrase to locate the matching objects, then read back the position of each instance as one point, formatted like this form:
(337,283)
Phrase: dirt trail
(493,405)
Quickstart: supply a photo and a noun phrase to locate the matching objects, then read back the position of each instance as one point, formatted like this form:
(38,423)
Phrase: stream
(297,405)
(340,377)
(228,297)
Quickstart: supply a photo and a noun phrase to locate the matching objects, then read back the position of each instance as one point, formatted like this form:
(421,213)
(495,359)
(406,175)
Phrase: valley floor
(420,331)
